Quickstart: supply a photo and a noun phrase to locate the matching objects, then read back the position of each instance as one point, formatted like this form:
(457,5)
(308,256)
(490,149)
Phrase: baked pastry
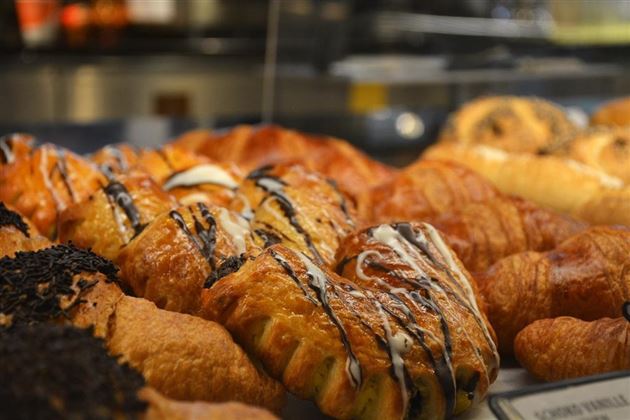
(169,262)
(605,149)
(114,214)
(300,209)
(566,347)
(253,147)
(18,233)
(560,184)
(613,113)
(390,344)
(182,356)
(50,179)
(163,162)
(15,146)
(81,381)
(425,189)
(481,233)
(117,158)
(514,124)
(586,277)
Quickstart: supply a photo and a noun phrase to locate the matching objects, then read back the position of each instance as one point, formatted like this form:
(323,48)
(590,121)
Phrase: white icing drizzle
(606,180)
(247,211)
(236,227)
(193,198)
(491,153)
(43,168)
(6,149)
(271,185)
(201,174)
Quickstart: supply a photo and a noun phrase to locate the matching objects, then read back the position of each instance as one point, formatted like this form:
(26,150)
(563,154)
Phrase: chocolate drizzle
(6,149)
(119,195)
(274,187)
(342,201)
(119,156)
(625,310)
(230,265)
(204,238)
(62,167)
(269,237)
(11,218)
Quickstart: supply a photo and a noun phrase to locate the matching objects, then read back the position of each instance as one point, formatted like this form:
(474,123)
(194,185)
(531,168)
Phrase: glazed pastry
(614,113)
(514,124)
(425,189)
(565,347)
(605,149)
(50,179)
(298,208)
(15,146)
(182,356)
(169,262)
(586,277)
(114,214)
(251,147)
(18,233)
(375,347)
(118,158)
(81,381)
(162,163)
(484,232)
(560,184)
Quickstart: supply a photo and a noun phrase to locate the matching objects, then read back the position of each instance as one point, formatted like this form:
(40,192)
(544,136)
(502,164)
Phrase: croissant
(50,179)
(510,123)
(15,146)
(82,381)
(169,262)
(117,158)
(605,149)
(482,233)
(560,184)
(114,214)
(566,347)
(613,113)
(425,189)
(390,344)
(65,283)
(586,277)
(18,233)
(251,147)
(300,209)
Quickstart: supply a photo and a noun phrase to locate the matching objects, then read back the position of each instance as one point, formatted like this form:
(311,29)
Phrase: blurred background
(382,74)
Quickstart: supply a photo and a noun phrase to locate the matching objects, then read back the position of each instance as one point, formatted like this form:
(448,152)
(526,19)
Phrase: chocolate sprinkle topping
(33,284)
(61,372)
(11,218)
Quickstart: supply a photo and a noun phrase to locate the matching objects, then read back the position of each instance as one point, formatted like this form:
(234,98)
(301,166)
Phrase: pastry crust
(613,113)
(587,276)
(118,158)
(484,232)
(17,233)
(50,179)
(15,146)
(169,262)
(515,124)
(297,208)
(425,189)
(362,349)
(565,347)
(114,214)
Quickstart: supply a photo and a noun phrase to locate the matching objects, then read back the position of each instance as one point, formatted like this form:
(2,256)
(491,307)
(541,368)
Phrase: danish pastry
(404,340)
(117,158)
(586,277)
(64,284)
(514,124)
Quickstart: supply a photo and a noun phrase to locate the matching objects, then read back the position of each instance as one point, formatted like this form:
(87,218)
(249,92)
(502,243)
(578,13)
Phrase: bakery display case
(315,209)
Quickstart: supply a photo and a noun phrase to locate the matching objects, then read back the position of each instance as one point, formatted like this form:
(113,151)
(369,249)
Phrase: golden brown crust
(162,408)
(587,277)
(425,189)
(605,149)
(565,347)
(163,162)
(510,123)
(21,237)
(613,113)
(482,233)
(118,158)
(111,216)
(169,262)
(328,337)
(51,178)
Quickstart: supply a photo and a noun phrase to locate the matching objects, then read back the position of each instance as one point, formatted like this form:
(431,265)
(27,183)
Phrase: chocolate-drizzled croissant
(298,208)
(482,233)
(64,284)
(408,343)
(566,347)
(117,158)
(114,214)
(163,162)
(169,262)
(45,182)
(586,277)
(18,233)
(425,189)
